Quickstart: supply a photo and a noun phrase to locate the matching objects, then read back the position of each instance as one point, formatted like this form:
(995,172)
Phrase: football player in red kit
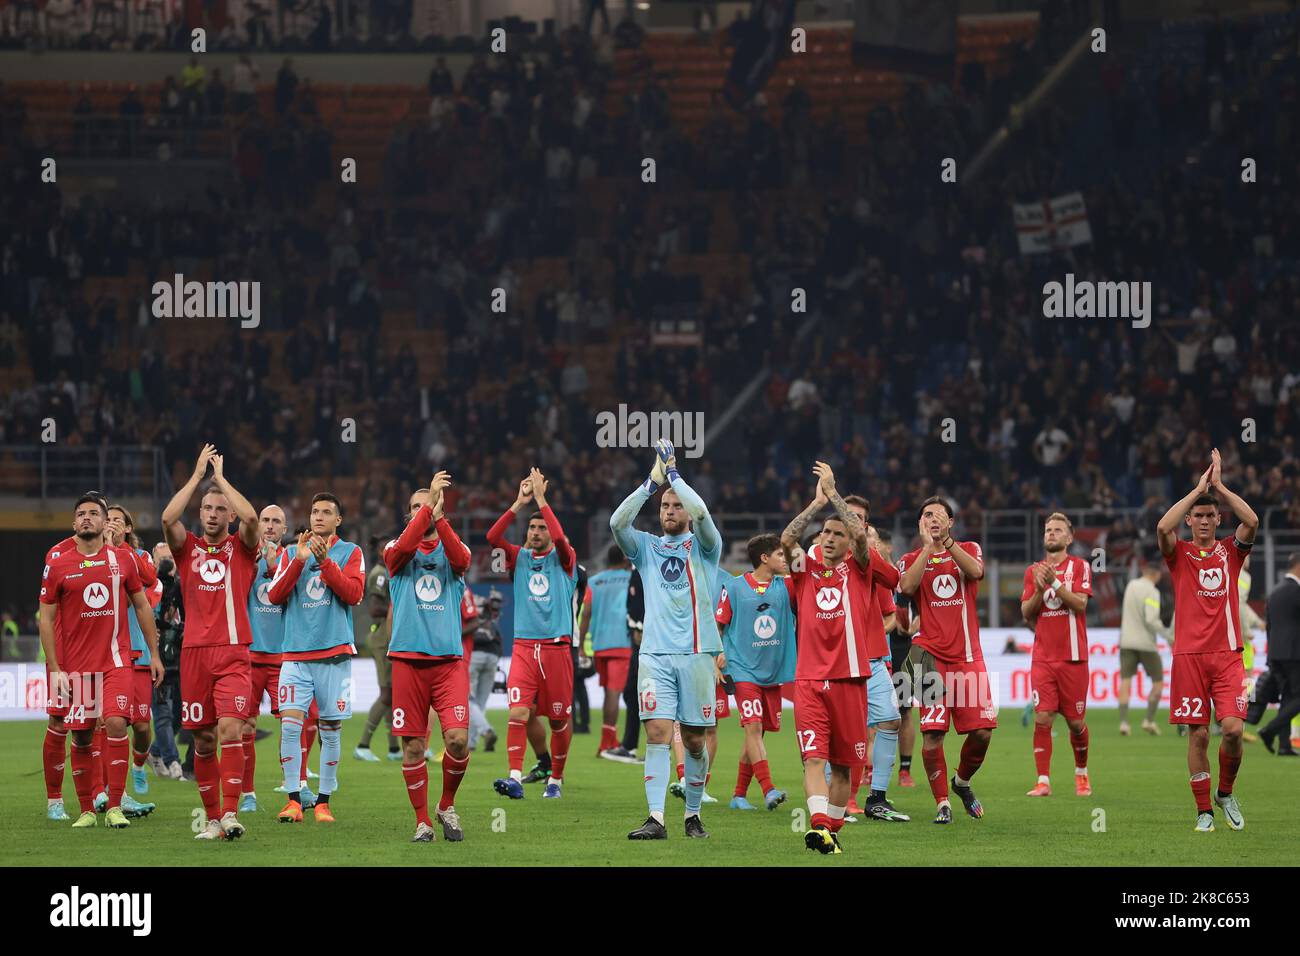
(946,661)
(1055,605)
(1208,667)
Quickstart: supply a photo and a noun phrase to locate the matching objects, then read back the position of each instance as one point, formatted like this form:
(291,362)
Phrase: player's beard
(89,535)
(1055,551)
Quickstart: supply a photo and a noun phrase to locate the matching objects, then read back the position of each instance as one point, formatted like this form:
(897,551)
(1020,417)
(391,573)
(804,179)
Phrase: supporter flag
(1053,224)
(760,41)
(906,36)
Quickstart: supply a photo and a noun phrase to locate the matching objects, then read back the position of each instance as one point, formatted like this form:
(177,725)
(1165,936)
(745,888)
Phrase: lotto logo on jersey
(828,599)
(672,568)
(95,595)
(944,586)
(765,627)
(459,712)
(539,584)
(860,749)
(315,588)
(1211,578)
(212,571)
(428,587)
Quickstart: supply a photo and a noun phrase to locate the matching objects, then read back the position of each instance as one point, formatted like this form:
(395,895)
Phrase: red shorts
(1059,687)
(1198,680)
(96,696)
(467,647)
(830,720)
(266,679)
(141,694)
(216,682)
(759,704)
(541,676)
(612,667)
(721,706)
(53,706)
(419,685)
(955,690)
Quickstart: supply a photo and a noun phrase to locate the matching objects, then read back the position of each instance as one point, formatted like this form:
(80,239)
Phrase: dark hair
(614,555)
(327,496)
(884,535)
(92,497)
(130,537)
(537,516)
(934,500)
(860,501)
(760,545)
(1205,499)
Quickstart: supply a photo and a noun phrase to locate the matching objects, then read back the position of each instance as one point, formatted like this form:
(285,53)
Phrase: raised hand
(218,466)
(1216,469)
(304,547)
(537,481)
(440,481)
(319,548)
(525,492)
(825,478)
(201,466)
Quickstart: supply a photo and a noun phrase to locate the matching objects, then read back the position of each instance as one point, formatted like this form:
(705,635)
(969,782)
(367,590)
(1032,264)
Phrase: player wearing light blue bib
(677,674)
(266,621)
(608,639)
(756,615)
(318,582)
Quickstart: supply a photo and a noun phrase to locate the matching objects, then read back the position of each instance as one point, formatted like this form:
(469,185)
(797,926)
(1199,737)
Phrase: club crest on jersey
(123,702)
(672,568)
(860,749)
(944,586)
(459,711)
(342,704)
(557,708)
(240,702)
(706,710)
(1078,707)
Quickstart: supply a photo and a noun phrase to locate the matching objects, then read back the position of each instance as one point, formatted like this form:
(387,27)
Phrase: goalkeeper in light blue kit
(676,678)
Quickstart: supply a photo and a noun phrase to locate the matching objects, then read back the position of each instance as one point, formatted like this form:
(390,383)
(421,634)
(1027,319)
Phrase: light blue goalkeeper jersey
(678,573)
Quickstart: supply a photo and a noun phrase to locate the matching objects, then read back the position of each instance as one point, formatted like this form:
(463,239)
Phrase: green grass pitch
(1140,788)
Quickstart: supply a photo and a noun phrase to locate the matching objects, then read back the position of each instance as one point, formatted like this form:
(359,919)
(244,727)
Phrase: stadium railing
(48,472)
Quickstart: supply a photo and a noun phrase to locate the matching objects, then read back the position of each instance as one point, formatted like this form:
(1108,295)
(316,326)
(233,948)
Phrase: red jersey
(468,609)
(1061,634)
(92,593)
(67,544)
(1206,599)
(838,616)
(215,580)
(945,599)
(880,648)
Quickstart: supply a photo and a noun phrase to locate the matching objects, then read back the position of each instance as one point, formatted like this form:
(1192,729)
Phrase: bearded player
(676,678)
(1208,667)
(92,585)
(318,582)
(839,613)
(215,572)
(544,576)
(426,567)
(946,660)
(1055,605)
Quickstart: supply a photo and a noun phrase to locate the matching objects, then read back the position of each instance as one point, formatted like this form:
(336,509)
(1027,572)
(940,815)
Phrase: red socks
(744,774)
(608,737)
(820,820)
(232,776)
(53,755)
(764,776)
(138,757)
(560,749)
(83,776)
(208,778)
(516,738)
(1229,764)
(118,758)
(681,772)
(250,760)
(1042,750)
(1080,745)
(936,770)
(855,784)
(1201,791)
(453,772)
(972,756)
(417,788)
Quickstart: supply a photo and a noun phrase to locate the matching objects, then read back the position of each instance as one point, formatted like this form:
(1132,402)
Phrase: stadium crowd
(920,307)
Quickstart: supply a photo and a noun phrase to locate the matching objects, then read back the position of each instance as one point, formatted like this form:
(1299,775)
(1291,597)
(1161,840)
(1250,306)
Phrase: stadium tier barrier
(23,691)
